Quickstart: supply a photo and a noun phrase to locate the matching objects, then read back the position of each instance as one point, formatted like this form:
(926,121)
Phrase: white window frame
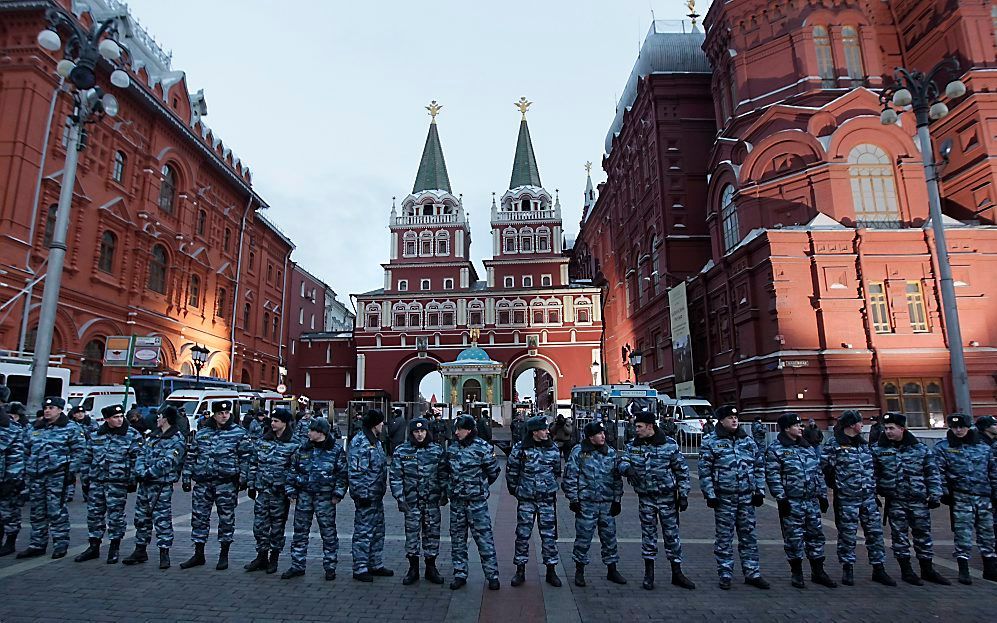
(425,284)
(448,283)
(527,281)
(509,281)
(403,285)
(546,281)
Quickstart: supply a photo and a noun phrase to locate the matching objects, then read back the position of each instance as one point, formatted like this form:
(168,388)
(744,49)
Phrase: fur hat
(535,423)
(54,401)
(419,423)
(895,418)
(985,422)
(466,422)
(959,419)
(789,419)
(170,414)
(320,424)
(284,415)
(594,428)
(644,417)
(849,418)
(372,418)
(112,410)
(221,405)
(726,411)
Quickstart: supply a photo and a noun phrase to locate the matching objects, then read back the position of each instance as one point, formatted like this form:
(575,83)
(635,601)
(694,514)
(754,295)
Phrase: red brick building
(818,291)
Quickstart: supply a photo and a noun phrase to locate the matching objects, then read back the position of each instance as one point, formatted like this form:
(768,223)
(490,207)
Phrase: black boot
(260,562)
(724,583)
(818,575)
(848,574)
(613,575)
(137,556)
(197,559)
(413,571)
(520,576)
(929,574)
(579,574)
(796,573)
(552,578)
(164,558)
(880,575)
(458,583)
(907,572)
(758,582)
(964,577)
(363,576)
(381,572)
(432,573)
(679,579)
(273,561)
(92,552)
(32,552)
(493,584)
(112,551)
(292,572)
(8,546)
(990,569)
(648,575)
(223,558)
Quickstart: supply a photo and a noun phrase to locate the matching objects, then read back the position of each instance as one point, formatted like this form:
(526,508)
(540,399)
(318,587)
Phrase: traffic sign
(281,388)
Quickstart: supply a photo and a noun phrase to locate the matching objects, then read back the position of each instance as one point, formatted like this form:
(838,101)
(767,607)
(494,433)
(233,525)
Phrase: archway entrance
(471,391)
(410,381)
(432,385)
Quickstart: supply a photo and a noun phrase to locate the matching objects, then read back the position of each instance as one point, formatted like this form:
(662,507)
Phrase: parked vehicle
(152,389)
(93,398)
(689,414)
(194,402)
(15,373)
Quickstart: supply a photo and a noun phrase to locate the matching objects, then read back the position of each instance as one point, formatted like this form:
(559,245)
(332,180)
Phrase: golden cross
(588,167)
(434,109)
(523,106)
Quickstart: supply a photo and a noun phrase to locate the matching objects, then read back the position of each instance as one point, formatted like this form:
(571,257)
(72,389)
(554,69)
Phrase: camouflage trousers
(472,515)
(735,513)
(801,530)
(848,514)
(224,496)
(307,506)
(270,518)
(652,510)
(969,512)
(154,507)
(47,495)
(909,516)
(595,515)
(106,500)
(368,537)
(544,514)
(10,512)
(423,520)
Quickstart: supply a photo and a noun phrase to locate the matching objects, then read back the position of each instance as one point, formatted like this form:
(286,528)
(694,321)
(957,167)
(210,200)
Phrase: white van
(197,401)
(93,398)
(15,373)
(689,414)
(258,399)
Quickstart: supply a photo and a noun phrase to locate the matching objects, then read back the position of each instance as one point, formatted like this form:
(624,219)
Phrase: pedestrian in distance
(107,477)
(81,418)
(793,474)
(732,479)
(11,476)
(908,480)
(594,488)
(269,472)
(659,474)
(531,475)
(813,434)
(759,432)
(158,467)
(416,480)
(368,464)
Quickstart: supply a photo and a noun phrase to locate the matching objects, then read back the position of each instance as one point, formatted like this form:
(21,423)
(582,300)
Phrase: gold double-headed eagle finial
(434,109)
(523,105)
(475,334)
(588,167)
(691,5)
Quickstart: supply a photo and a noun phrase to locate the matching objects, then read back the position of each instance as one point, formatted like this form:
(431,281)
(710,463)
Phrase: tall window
(921,400)
(448,284)
(252,260)
(157,270)
(409,249)
(526,240)
(509,241)
(50,224)
(449,315)
(276,326)
(655,263)
(874,192)
(93,362)
(426,243)
(475,315)
(227,240)
(118,167)
(220,303)
(728,219)
(373,316)
(543,239)
(878,308)
(269,273)
(266,324)
(853,55)
(915,307)
(168,189)
(194,293)
(108,244)
(443,243)
(202,220)
(825,60)
(433,315)
(247,312)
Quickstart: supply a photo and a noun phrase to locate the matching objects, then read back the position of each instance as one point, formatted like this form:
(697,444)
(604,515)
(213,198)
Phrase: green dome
(474,353)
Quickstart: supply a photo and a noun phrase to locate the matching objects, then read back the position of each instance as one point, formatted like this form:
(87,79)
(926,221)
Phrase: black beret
(789,419)
(419,423)
(594,428)
(221,405)
(112,410)
(726,411)
(849,418)
(282,414)
(54,401)
(466,422)
(895,418)
(372,418)
(959,419)
(645,417)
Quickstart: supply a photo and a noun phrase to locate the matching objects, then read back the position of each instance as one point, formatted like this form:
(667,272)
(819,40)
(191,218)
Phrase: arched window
(509,239)
(874,192)
(543,239)
(526,240)
(415,315)
(825,60)
(194,292)
(433,315)
(503,313)
(475,314)
(519,312)
(398,316)
(157,270)
(655,262)
(442,243)
(50,224)
(410,240)
(93,362)
(537,314)
(449,315)
(426,243)
(266,325)
(853,55)
(118,167)
(168,189)
(247,312)
(220,303)
(276,327)
(227,240)
(252,260)
(583,311)
(108,244)
(373,316)
(554,311)
(728,219)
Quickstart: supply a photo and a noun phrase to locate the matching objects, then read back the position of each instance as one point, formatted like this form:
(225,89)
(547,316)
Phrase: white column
(465,278)
(564,274)
(394,246)
(458,243)
(361,370)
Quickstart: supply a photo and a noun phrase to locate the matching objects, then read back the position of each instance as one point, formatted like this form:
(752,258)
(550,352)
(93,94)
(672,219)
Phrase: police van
(194,402)
(93,398)
(15,373)
(689,415)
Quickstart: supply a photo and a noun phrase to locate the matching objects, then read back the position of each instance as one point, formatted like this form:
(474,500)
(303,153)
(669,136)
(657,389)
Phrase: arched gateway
(434,314)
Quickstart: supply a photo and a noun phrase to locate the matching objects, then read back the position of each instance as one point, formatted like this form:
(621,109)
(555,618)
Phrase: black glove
(132,487)
(251,493)
(712,502)
(186,487)
(757,499)
(363,502)
(403,506)
(879,503)
(614,509)
(947,499)
(823,504)
(511,491)
(933,503)
(444,500)
(784,508)
(683,503)
(243,483)
(575,506)
(85,487)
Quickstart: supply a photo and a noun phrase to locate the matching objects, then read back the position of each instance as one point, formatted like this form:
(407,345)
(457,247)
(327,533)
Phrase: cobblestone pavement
(45,590)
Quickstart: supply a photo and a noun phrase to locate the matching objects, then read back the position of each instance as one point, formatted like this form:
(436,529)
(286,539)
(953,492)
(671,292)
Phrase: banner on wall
(678,315)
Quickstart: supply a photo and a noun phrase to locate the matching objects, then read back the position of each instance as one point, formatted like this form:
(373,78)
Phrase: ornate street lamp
(919,92)
(82,51)
(199,357)
(636,358)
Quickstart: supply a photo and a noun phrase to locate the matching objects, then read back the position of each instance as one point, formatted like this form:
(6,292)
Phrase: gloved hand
(336,500)
(575,506)
(132,487)
(933,503)
(823,504)
(614,509)
(85,487)
(879,503)
(947,499)
(444,500)
(291,493)
(683,503)
(252,493)
(511,491)
(186,486)
(403,506)
(757,499)
(362,502)
(784,508)
(712,502)
(243,483)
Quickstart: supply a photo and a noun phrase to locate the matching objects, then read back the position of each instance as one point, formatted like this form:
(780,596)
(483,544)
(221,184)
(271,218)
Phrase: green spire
(524,167)
(432,168)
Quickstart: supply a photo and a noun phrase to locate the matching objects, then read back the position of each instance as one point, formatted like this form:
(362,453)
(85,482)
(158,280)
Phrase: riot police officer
(368,465)
(11,479)
(273,454)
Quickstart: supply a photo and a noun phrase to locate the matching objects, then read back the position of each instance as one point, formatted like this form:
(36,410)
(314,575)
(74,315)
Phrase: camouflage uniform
(109,471)
(89,428)
(792,470)
(531,475)
(908,479)
(732,472)
(592,479)
(11,474)
(301,429)
(368,465)
(659,475)
(470,469)
(319,480)
(218,462)
(759,433)
(157,468)
(968,470)
(268,475)
(416,479)
(847,466)
(53,455)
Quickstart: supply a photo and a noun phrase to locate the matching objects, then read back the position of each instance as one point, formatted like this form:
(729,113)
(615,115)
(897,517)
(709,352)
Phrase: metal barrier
(689,442)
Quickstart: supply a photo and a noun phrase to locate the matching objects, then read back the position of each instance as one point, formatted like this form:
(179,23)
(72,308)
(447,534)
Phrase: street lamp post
(198,357)
(636,358)
(919,91)
(82,52)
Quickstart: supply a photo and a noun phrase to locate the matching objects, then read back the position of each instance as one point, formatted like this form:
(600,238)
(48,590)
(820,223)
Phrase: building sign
(678,314)
(145,352)
(117,350)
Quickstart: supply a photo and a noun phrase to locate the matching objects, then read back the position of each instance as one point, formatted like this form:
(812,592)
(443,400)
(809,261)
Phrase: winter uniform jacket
(219,454)
(966,465)
(655,466)
(591,474)
(470,469)
(51,448)
(162,457)
(111,455)
(11,452)
(847,466)
(416,473)
(906,470)
(730,464)
(320,469)
(533,469)
(792,469)
(368,467)
(272,459)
